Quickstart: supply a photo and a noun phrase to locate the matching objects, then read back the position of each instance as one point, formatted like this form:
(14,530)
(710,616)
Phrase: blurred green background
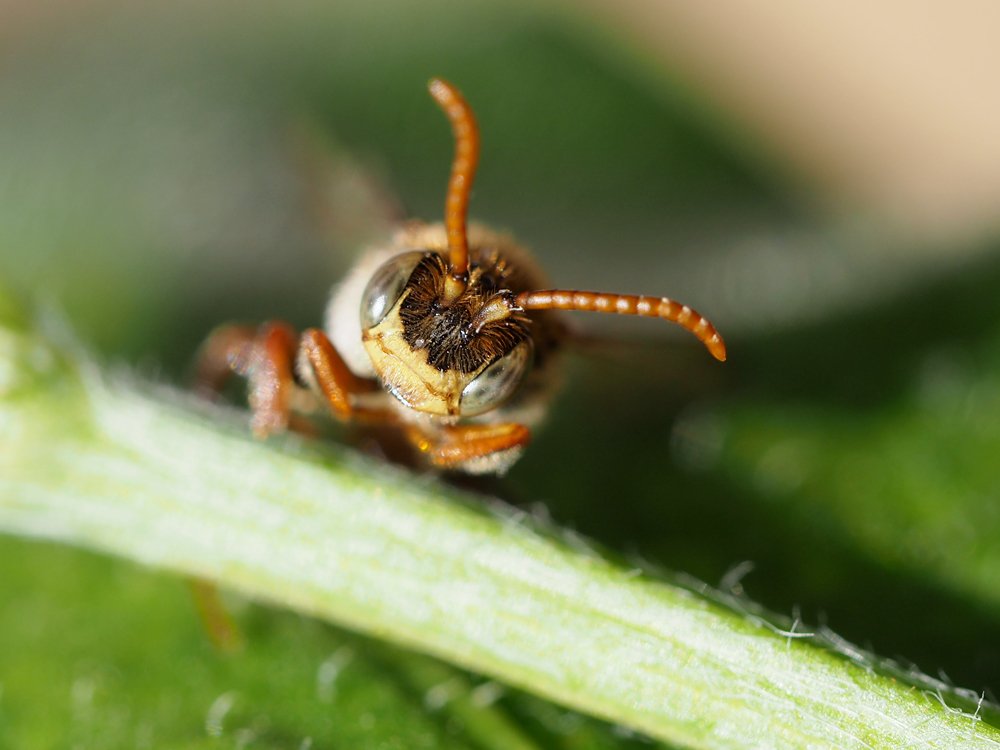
(167,168)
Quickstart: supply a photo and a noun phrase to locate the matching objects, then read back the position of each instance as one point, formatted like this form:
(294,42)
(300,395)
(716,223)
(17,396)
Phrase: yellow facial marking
(406,373)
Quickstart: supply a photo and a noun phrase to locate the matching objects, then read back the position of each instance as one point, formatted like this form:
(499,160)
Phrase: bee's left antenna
(463,171)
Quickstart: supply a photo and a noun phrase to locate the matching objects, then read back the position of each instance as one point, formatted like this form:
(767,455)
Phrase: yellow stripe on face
(406,373)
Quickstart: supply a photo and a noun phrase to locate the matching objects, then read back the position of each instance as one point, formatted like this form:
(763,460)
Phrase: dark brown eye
(496,383)
(386,287)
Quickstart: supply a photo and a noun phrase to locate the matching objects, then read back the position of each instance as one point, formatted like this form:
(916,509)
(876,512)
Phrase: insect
(447,336)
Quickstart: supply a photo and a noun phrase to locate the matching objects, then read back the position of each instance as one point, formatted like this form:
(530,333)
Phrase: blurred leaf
(112,656)
(912,482)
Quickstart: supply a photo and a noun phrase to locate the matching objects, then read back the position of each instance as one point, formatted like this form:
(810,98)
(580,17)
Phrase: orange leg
(462,444)
(335,381)
(264,356)
(221,629)
(220,355)
(333,378)
(269,371)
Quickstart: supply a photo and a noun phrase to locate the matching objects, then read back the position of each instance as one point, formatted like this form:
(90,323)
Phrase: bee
(446,337)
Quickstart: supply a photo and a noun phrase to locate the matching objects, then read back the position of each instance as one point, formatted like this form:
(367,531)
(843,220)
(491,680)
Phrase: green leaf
(110,655)
(912,482)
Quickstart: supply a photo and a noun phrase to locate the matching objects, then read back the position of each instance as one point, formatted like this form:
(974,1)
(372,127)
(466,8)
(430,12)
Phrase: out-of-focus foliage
(111,656)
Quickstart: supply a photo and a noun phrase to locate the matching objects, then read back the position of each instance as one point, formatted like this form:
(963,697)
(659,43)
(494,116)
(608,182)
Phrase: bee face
(450,357)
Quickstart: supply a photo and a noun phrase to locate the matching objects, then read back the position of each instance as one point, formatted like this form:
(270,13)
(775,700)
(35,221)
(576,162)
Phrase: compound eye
(496,383)
(386,287)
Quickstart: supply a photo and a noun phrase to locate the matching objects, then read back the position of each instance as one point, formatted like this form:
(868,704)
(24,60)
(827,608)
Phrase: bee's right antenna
(463,170)
(628,304)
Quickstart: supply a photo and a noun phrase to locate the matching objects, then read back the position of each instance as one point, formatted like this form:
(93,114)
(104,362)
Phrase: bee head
(439,353)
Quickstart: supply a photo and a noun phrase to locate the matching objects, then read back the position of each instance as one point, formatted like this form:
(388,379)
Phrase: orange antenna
(628,304)
(463,170)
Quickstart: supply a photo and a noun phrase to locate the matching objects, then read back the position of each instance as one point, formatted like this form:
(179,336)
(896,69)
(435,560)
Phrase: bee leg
(321,365)
(477,449)
(264,356)
(218,356)
(215,618)
(268,369)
